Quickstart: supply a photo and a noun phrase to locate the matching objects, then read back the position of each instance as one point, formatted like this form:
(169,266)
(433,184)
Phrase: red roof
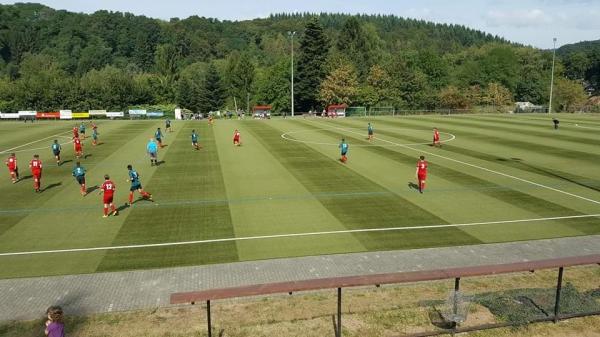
(336,107)
(262,107)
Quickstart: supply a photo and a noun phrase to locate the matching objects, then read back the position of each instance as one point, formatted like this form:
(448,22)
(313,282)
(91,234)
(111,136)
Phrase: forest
(55,59)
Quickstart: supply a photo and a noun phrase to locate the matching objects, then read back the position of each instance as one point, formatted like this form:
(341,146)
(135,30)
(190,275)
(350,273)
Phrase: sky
(530,22)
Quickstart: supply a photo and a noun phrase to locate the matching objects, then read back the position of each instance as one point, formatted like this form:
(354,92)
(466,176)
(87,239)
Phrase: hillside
(582,62)
(53,58)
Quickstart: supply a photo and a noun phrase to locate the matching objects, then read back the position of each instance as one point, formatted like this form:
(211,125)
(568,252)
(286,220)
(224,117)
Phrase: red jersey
(11,162)
(77,142)
(108,187)
(35,165)
(436,135)
(236,136)
(422,167)
(75,132)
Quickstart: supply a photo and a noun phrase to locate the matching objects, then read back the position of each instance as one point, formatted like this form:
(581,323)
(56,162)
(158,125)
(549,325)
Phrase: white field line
(586,127)
(485,169)
(35,141)
(277,236)
(286,137)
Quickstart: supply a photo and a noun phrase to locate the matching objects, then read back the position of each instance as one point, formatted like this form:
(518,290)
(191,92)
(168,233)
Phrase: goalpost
(356,111)
(382,111)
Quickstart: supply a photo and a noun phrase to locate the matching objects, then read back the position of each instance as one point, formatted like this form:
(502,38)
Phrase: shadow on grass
(92,189)
(51,186)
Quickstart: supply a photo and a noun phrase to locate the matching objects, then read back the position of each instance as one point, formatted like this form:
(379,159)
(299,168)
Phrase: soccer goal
(356,111)
(381,111)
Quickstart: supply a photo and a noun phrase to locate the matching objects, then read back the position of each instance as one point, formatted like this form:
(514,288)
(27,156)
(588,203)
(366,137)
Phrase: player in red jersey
(421,173)
(78,147)
(236,138)
(75,132)
(436,138)
(13,169)
(36,171)
(108,188)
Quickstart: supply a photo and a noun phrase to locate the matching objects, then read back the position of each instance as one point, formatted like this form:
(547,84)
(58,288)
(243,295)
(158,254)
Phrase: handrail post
(339,312)
(454,304)
(558,291)
(208,318)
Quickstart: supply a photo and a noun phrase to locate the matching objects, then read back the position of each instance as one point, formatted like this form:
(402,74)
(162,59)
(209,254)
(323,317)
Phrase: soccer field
(284,192)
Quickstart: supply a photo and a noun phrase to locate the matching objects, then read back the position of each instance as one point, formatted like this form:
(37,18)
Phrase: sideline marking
(45,147)
(276,236)
(36,141)
(284,136)
(485,169)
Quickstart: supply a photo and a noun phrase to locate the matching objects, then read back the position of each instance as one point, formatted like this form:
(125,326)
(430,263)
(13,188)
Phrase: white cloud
(518,18)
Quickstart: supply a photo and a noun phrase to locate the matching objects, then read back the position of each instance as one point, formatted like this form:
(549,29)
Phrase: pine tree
(314,48)
(212,95)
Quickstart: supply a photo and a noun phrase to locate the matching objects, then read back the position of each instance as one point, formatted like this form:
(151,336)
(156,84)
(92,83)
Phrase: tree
(273,87)
(240,73)
(452,98)
(212,95)
(497,95)
(569,95)
(189,87)
(108,88)
(313,51)
(340,86)
(355,43)
(377,91)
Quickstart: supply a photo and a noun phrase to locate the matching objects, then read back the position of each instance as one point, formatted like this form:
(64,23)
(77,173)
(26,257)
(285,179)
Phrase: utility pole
(552,76)
(291,35)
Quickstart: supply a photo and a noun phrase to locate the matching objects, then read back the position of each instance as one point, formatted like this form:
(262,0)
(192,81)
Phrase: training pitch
(284,192)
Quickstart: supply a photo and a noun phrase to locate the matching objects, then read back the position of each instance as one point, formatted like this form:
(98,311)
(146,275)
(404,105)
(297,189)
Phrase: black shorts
(80,180)
(56,153)
(135,187)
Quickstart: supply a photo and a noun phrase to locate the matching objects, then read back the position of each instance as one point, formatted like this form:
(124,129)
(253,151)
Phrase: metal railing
(338,283)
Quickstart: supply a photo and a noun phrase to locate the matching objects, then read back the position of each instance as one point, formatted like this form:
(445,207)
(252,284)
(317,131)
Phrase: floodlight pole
(291,35)
(552,76)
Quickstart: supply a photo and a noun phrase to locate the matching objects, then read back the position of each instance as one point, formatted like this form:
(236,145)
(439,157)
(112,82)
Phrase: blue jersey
(152,147)
(194,137)
(78,171)
(344,148)
(82,128)
(158,135)
(134,177)
(370,129)
(55,147)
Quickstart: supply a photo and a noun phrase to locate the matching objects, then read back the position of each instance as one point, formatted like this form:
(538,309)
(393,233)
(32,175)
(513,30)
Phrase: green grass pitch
(225,204)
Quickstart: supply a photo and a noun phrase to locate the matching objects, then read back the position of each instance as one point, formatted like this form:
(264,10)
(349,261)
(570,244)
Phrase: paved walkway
(104,292)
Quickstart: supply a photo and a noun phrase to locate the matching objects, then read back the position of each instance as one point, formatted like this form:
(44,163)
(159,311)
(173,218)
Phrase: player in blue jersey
(136,185)
(79,174)
(158,135)
(94,134)
(195,140)
(82,130)
(152,150)
(56,151)
(344,151)
(370,132)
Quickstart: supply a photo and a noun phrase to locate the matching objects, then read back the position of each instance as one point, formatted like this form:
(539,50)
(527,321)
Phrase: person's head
(434,129)
(343,140)
(193,131)
(35,156)
(12,154)
(55,313)
(422,157)
(151,140)
(369,123)
(158,129)
(129,167)
(55,141)
(106,177)
(77,164)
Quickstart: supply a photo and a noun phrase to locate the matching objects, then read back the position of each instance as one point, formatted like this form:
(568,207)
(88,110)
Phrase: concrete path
(22,299)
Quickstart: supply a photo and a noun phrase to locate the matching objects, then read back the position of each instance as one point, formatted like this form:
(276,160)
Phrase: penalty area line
(483,168)
(35,141)
(292,235)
